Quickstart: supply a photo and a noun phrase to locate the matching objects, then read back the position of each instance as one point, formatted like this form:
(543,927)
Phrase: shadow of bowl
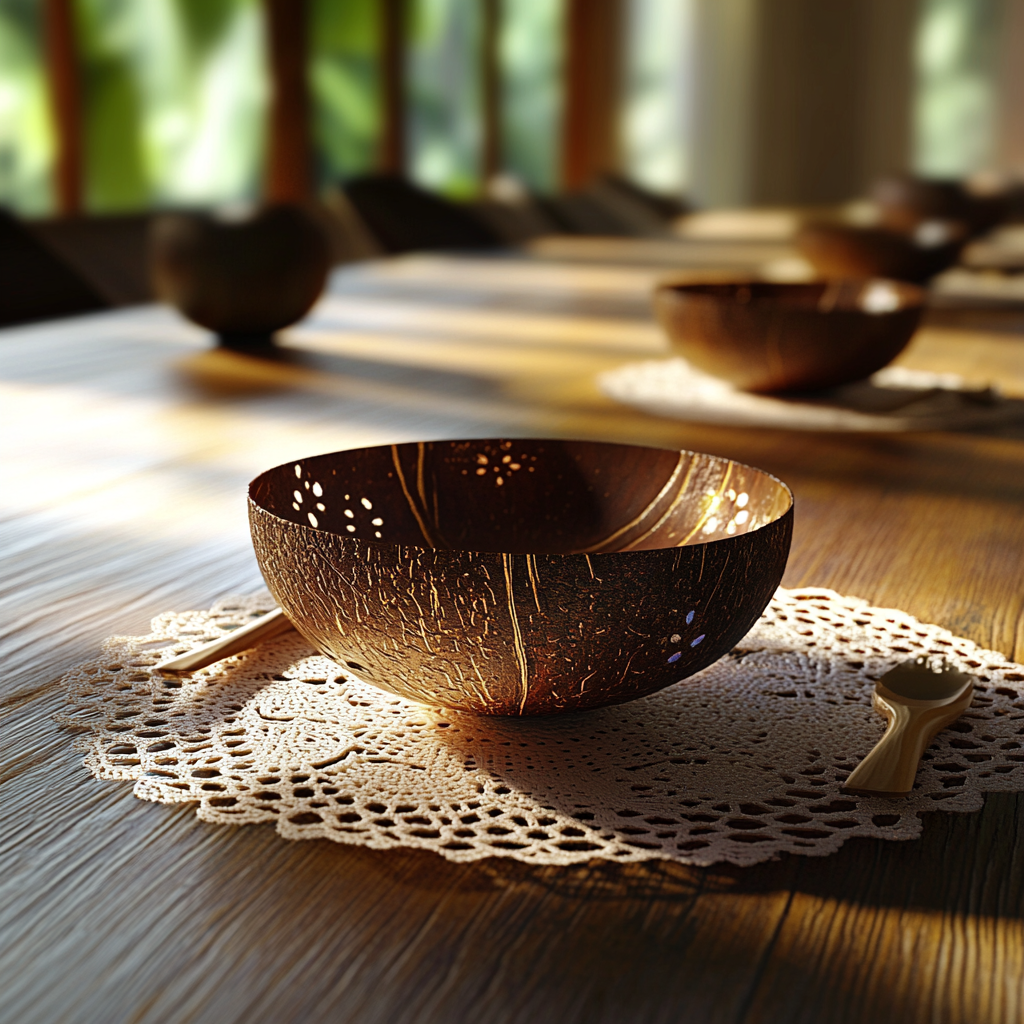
(242,279)
(522,577)
(768,337)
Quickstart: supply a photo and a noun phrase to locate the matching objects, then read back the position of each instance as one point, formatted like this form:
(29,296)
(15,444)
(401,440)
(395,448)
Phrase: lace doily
(739,763)
(894,399)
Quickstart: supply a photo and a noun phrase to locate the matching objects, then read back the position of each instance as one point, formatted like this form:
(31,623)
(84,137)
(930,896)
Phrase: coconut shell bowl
(837,250)
(244,279)
(905,201)
(768,337)
(501,577)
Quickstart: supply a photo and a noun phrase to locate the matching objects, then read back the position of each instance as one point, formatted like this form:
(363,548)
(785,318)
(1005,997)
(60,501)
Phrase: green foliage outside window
(956,97)
(657,93)
(175,92)
(531,55)
(26,139)
(444,128)
(345,86)
(174,97)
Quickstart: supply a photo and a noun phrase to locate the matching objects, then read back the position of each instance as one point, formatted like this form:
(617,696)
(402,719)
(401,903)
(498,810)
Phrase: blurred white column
(720,149)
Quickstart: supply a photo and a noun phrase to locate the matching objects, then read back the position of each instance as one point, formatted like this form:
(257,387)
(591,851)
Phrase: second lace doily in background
(894,399)
(739,763)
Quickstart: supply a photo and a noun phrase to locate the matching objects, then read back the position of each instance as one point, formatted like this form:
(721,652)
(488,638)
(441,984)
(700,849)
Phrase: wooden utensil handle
(890,768)
(891,765)
(270,625)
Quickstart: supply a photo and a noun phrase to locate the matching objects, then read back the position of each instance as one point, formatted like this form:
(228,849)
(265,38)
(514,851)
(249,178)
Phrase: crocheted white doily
(739,763)
(894,399)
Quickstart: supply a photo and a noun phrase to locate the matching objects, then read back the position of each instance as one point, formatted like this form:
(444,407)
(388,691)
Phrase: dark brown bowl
(505,577)
(789,337)
(905,201)
(243,279)
(849,250)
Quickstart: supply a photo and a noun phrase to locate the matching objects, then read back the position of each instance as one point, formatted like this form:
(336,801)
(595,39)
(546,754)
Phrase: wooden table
(126,446)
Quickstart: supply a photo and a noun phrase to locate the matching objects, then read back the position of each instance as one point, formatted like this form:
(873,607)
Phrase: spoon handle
(266,626)
(890,767)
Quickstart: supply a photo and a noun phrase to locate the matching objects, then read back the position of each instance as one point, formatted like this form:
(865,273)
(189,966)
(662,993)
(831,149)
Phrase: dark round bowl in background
(905,201)
(768,337)
(521,577)
(243,279)
(837,250)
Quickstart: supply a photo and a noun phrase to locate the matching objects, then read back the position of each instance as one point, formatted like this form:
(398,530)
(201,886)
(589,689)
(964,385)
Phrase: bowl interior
(872,297)
(523,496)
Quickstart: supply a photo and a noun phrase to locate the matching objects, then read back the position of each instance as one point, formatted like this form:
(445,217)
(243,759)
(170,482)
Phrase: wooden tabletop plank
(127,446)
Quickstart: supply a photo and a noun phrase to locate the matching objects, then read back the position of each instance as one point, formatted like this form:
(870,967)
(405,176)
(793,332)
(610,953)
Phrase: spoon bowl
(918,701)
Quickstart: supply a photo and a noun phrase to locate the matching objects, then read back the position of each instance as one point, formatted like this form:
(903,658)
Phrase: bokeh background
(726,102)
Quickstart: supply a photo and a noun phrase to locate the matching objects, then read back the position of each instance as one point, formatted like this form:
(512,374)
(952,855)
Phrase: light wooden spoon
(266,626)
(918,702)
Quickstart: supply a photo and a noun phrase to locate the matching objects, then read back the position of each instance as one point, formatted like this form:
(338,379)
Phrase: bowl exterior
(249,278)
(770,349)
(842,250)
(904,201)
(518,634)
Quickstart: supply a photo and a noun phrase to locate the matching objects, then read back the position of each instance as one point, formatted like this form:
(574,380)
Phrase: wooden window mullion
(491,90)
(289,143)
(64,81)
(393,32)
(592,84)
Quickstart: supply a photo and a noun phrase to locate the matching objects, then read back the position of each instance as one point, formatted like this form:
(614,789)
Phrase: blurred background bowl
(521,577)
(837,250)
(245,278)
(767,337)
(905,200)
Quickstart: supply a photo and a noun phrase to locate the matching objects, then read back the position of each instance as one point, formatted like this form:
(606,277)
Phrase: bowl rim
(393,545)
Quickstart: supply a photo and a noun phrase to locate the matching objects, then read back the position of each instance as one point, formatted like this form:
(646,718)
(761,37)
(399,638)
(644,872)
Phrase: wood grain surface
(126,448)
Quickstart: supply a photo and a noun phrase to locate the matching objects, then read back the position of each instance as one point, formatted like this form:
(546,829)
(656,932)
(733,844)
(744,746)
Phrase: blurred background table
(127,444)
